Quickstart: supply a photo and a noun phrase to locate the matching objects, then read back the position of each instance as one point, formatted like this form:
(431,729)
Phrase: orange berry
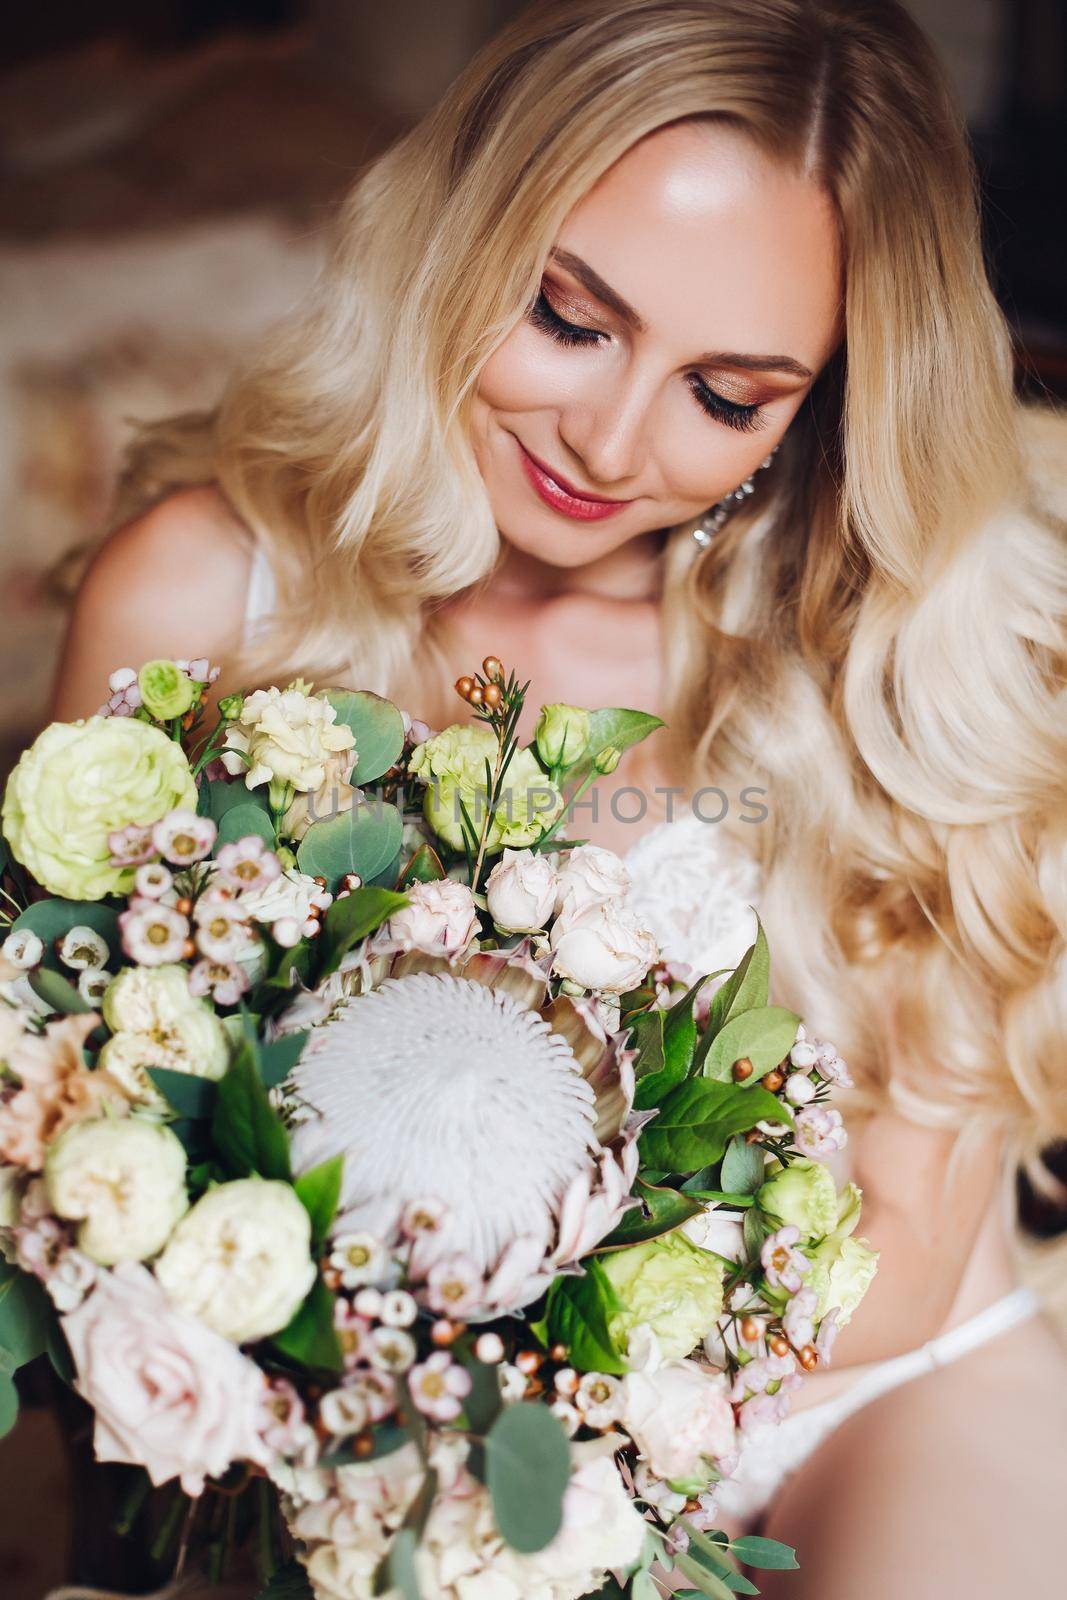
(477,695)
(464,686)
(743,1069)
(493,667)
(773,1081)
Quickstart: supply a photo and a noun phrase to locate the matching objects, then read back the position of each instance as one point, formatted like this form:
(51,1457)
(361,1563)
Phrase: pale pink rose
(604,947)
(587,876)
(679,1415)
(521,891)
(441,917)
(56,1089)
(169,1394)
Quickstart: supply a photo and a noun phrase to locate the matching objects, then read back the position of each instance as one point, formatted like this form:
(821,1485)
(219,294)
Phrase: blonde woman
(660,359)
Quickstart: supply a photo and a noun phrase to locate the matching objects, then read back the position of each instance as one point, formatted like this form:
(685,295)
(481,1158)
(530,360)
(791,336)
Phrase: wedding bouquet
(367,1170)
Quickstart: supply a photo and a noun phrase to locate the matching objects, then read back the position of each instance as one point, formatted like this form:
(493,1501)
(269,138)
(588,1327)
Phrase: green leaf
(666,1210)
(238,822)
(247,1130)
(278,1058)
(378,727)
(764,1036)
(59,1353)
(290,1582)
(746,990)
(708,1583)
(527,1471)
(768,1554)
(484,1403)
(576,1315)
(216,797)
(58,992)
(708,1553)
(397,1570)
(742,1167)
(311,1338)
(349,921)
(646,1030)
(697,1121)
(424,867)
(364,840)
(9,1405)
(319,1191)
(25,1315)
(186,1094)
(617,728)
(291,967)
(51,919)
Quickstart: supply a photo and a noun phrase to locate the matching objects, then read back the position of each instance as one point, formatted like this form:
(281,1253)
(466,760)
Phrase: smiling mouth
(563,496)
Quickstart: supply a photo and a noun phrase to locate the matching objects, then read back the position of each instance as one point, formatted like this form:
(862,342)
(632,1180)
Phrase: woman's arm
(172,582)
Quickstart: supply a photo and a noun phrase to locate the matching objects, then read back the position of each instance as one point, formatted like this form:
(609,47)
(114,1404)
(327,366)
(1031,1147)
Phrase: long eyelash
(744,418)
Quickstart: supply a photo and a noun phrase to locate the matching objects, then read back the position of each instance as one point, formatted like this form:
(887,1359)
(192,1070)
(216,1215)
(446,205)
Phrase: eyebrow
(622,308)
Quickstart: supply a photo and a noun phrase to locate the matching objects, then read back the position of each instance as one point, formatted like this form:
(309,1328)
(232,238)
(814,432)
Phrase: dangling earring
(712,520)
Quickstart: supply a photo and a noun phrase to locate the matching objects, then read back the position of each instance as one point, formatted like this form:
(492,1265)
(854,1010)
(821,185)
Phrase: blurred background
(166,171)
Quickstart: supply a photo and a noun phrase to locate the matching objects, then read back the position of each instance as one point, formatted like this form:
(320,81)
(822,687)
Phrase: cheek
(530,373)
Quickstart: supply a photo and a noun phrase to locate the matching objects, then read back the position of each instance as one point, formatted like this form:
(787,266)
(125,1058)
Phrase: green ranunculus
(671,1286)
(80,781)
(452,766)
(802,1195)
(166,691)
(562,735)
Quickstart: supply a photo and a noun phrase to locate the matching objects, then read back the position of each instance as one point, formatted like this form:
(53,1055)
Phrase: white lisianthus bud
(123,1180)
(440,917)
(521,891)
(586,876)
(240,1261)
(604,948)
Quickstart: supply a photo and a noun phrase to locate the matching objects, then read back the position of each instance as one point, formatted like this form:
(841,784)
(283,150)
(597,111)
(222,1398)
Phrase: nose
(608,430)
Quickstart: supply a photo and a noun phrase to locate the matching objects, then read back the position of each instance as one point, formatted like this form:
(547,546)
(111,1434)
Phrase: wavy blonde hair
(879,638)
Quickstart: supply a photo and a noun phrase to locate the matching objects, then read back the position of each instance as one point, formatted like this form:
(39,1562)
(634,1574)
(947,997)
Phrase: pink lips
(562,497)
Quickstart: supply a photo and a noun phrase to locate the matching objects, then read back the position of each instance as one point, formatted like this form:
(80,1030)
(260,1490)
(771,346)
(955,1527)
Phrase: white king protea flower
(457,1082)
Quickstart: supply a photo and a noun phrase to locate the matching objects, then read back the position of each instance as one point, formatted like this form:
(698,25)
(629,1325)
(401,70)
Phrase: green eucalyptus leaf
(708,1583)
(484,1403)
(217,796)
(527,1471)
(698,1119)
(58,992)
(378,727)
(386,1438)
(742,1167)
(242,821)
(50,920)
(365,839)
(397,1572)
(768,1554)
(25,1316)
(765,1036)
(311,1337)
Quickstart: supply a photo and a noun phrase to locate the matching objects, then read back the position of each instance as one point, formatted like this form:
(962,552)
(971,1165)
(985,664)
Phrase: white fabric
(695,889)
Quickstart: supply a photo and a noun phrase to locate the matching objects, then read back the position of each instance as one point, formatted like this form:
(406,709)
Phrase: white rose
(291,894)
(441,917)
(156,1022)
(169,1395)
(521,891)
(123,1180)
(604,947)
(240,1260)
(285,738)
(678,1416)
(716,1230)
(602,1529)
(588,875)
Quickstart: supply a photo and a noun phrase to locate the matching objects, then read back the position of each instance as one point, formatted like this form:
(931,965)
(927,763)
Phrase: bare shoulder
(950,1484)
(173,581)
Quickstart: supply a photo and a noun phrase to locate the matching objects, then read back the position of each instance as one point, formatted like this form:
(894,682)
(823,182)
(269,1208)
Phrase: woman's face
(689,301)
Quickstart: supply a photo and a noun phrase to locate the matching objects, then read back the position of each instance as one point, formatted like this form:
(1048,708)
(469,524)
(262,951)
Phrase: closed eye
(744,418)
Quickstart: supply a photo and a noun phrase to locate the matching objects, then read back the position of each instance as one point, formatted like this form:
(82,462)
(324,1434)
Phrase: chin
(572,546)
